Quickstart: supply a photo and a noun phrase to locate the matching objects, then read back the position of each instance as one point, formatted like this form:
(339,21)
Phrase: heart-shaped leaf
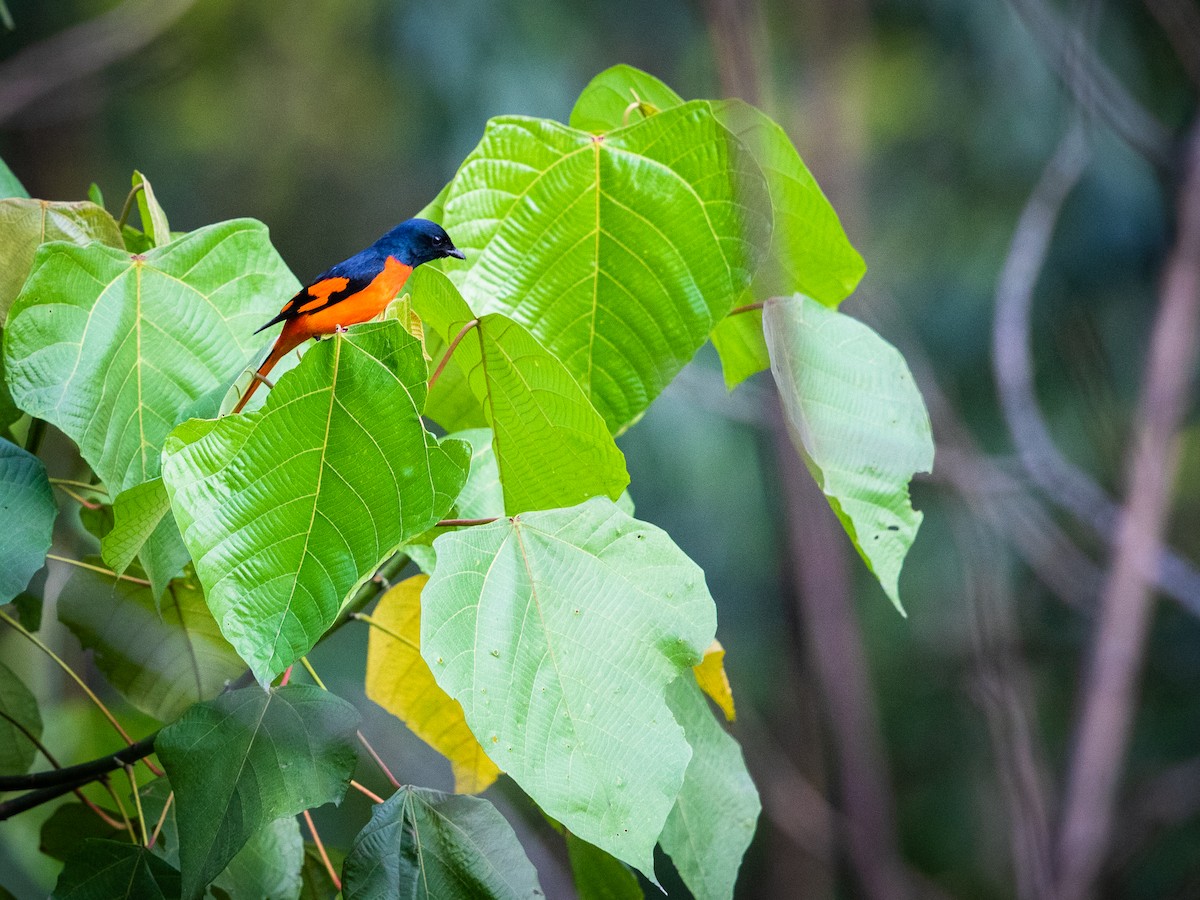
(618,252)
(25,498)
(289,509)
(433,846)
(558,632)
(859,422)
(247,758)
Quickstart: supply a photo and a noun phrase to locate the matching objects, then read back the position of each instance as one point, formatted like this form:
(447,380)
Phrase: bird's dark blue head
(417,241)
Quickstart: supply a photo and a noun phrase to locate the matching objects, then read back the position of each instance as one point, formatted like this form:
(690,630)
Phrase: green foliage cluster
(556,632)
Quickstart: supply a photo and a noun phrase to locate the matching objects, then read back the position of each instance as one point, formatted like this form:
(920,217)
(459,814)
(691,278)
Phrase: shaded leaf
(246,758)
(70,825)
(435,846)
(143,528)
(154,220)
(604,104)
(27,224)
(268,867)
(25,497)
(599,876)
(741,346)
(110,870)
(162,660)
(316,883)
(399,680)
(558,631)
(620,253)
(713,819)
(20,709)
(858,421)
(112,349)
(288,510)
(711,677)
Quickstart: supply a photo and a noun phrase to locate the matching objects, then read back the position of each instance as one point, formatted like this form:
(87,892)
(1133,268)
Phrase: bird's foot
(339,329)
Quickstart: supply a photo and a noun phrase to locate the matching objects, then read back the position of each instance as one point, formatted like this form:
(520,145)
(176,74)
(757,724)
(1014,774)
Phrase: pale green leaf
(10,185)
(113,349)
(250,757)
(558,632)
(618,253)
(26,224)
(605,103)
(713,819)
(115,870)
(426,845)
(20,720)
(154,220)
(288,510)
(25,498)
(400,681)
(144,529)
(599,876)
(741,346)
(859,422)
(161,657)
(268,867)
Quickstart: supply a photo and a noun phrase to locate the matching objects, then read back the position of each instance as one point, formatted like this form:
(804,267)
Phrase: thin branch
(128,207)
(462,333)
(137,800)
(98,569)
(162,818)
(1094,87)
(78,498)
(333,875)
(749,307)
(95,488)
(1102,733)
(366,792)
(362,739)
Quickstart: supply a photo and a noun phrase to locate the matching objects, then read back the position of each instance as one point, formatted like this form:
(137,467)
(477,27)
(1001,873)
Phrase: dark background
(881,745)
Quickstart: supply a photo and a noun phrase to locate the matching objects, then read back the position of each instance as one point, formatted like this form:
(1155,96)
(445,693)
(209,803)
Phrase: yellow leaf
(399,680)
(711,677)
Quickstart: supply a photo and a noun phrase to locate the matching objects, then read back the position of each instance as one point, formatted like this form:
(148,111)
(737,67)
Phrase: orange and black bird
(354,290)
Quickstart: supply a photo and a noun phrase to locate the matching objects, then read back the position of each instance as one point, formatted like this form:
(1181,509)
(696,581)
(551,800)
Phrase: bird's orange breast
(363,306)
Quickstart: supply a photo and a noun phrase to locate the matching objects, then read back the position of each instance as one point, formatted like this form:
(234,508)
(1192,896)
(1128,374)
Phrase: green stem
(137,799)
(462,333)
(100,569)
(128,207)
(96,488)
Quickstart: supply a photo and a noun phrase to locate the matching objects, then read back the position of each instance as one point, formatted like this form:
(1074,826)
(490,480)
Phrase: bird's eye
(438,239)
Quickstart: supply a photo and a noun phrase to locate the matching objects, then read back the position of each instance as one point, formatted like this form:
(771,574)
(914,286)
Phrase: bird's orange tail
(283,344)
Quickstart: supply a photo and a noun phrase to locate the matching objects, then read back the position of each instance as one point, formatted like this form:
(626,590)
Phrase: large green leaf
(20,720)
(250,757)
(70,825)
(113,870)
(10,185)
(288,510)
(599,876)
(143,528)
(618,252)
(605,103)
(162,660)
(114,348)
(552,447)
(859,422)
(434,846)
(558,632)
(713,819)
(27,224)
(27,503)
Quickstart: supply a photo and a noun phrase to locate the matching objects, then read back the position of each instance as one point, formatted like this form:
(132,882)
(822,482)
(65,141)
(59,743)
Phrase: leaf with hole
(558,632)
(287,511)
(858,421)
(247,758)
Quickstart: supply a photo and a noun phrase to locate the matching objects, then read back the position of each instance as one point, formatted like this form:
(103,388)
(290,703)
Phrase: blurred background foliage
(928,122)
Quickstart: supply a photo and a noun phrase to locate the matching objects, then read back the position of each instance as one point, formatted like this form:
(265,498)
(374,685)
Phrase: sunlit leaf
(433,846)
(112,870)
(552,447)
(25,498)
(26,224)
(21,719)
(605,103)
(143,528)
(113,349)
(713,819)
(399,680)
(859,422)
(558,631)
(154,220)
(161,658)
(618,253)
(250,757)
(10,185)
(288,510)
(599,876)
(711,677)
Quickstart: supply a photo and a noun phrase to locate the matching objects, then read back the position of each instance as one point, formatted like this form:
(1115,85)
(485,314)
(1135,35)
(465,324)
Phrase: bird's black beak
(456,253)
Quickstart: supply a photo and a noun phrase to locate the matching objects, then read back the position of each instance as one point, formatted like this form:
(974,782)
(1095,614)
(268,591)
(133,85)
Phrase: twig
(462,333)
(162,818)
(128,207)
(78,498)
(333,875)
(98,569)
(137,801)
(1126,604)
(366,791)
